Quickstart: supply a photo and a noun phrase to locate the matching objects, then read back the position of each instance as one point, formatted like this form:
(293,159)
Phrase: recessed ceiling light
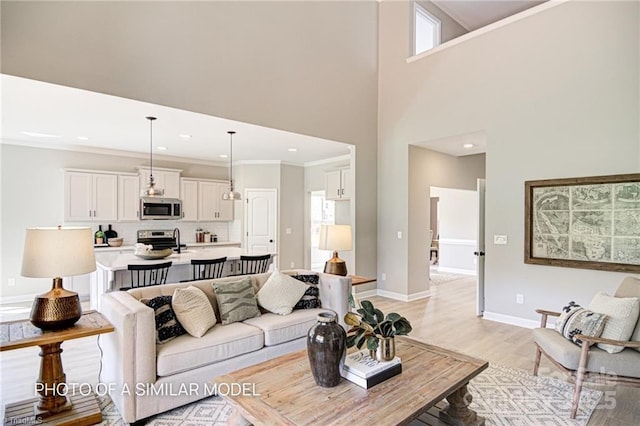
(83,138)
(41,135)
(292,149)
(162,148)
(185,136)
(223,155)
(468,145)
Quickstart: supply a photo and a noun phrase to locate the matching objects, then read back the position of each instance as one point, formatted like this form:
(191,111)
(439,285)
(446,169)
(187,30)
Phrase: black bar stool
(148,275)
(204,269)
(254,264)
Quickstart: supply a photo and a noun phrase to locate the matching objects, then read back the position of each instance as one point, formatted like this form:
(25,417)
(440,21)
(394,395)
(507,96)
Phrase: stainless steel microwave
(160,208)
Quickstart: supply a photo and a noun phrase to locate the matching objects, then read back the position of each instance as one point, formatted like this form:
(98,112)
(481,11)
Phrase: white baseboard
(508,319)
(404,297)
(367,293)
(456,270)
(28,298)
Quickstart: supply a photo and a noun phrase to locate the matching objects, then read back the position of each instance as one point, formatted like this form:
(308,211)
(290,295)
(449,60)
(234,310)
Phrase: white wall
(555,99)
(458,224)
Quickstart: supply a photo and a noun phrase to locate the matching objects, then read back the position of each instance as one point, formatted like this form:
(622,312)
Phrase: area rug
(503,396)
(442,277)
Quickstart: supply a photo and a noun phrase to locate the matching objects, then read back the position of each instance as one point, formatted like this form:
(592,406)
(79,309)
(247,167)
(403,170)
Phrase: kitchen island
(111,267)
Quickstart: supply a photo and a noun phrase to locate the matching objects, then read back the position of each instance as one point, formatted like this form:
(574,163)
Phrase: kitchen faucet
(176,231)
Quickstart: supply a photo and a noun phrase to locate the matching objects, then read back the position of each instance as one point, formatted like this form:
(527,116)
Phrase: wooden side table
(53,406)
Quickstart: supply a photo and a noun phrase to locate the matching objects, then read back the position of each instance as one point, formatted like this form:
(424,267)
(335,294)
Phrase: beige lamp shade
(58,252)
(335,237)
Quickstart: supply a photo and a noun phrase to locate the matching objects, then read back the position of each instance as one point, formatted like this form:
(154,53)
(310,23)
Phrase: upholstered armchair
(590,361)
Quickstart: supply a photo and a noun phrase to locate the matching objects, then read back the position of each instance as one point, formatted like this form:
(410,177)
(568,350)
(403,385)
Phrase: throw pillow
(193,310)
(236,300)
(280,293)
(574,319)
(167,326)
(622,316)
(311,297)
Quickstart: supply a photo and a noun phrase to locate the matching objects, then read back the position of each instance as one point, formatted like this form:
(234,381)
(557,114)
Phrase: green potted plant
(370,325)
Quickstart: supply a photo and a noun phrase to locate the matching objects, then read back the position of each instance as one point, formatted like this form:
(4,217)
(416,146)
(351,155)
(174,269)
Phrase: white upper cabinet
(167,179)
(202,200)
(338,185)
(128,197)
(189,197)
(90,197)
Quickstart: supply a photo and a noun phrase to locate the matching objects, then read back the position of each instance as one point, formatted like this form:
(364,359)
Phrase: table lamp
(56,253)
(336,238)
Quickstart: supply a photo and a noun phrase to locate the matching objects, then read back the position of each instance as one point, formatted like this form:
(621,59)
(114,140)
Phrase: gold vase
(386,349)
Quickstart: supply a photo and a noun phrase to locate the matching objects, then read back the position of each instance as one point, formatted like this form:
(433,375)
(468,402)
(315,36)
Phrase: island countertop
(118,261)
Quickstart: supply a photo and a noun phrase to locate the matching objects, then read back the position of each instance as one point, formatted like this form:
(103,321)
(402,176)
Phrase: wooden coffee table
(286,394)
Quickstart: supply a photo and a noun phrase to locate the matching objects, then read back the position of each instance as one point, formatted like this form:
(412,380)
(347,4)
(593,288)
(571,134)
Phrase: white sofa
(144,378)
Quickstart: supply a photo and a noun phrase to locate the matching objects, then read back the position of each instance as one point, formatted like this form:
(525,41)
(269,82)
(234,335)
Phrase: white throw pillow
(622,316)
(280,293)
(193,310)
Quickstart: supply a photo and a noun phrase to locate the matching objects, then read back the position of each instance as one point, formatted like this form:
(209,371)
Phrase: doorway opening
(323,212)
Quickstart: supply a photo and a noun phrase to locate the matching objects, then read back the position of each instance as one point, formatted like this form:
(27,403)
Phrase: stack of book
(366,372)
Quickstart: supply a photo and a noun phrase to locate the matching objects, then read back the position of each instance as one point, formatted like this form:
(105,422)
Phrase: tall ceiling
(473,14)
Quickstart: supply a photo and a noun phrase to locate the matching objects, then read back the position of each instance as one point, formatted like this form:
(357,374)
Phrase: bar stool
(204,269)
(254,264)
(148,275)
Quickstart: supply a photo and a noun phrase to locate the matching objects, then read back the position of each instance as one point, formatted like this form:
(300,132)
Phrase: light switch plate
(500,240)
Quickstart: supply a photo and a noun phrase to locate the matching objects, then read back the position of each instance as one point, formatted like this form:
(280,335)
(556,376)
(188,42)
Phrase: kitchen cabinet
(128,198)
(90,196)
(167,179)
(189,197)
(338,184)
(202,200)
(211,206)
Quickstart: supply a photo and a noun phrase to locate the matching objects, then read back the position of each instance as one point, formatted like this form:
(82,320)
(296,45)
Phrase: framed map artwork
(588,222)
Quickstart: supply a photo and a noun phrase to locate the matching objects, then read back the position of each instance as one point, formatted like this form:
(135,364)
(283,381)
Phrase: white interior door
(261,220)
(479,253)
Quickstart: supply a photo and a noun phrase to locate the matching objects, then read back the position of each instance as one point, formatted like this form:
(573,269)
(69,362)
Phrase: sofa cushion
(574,319)
(281,293)
(236,300)
(311,297)
(219,343)
(622,316)
(193,310)
(167,326)
(284,328)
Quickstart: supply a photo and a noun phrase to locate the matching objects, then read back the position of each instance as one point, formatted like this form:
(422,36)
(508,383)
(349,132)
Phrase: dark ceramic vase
(326,347)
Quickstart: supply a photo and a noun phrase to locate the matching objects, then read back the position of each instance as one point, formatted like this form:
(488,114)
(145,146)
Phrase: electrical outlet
(520,299)
(287,231)
(500,240)
(12,282)
(383,276)
(399,235)
(293,264)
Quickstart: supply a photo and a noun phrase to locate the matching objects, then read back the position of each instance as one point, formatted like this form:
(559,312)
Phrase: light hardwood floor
(446,319)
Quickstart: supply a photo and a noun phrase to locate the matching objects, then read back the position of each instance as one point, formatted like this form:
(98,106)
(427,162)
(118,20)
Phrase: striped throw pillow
(236,300)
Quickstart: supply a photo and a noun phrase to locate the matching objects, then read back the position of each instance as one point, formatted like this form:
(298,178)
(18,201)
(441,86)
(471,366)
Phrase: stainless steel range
(160,238)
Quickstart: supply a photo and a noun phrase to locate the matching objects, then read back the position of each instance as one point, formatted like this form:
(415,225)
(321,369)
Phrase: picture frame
(585,222)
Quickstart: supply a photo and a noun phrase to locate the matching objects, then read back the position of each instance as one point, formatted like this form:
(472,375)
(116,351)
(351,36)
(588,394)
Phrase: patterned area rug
(503,396)
(443,277)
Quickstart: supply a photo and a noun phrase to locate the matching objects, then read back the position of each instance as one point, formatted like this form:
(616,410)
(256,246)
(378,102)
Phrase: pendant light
(231,195)
(151,190)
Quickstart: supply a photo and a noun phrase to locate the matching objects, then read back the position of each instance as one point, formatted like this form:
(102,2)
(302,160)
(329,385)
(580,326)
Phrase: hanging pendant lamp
(151,190)
(231,195)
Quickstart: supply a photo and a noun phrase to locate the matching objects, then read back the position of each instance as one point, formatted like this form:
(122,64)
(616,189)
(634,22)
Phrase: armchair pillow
(193,310)
(281,293)
(236,300)
(311,297)
(622,316)
(574,320)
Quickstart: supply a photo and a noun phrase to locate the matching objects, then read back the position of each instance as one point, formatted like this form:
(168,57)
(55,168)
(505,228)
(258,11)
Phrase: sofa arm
(334,294)
(129,353)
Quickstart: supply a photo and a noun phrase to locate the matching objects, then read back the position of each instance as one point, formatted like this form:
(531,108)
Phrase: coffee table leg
(457,412)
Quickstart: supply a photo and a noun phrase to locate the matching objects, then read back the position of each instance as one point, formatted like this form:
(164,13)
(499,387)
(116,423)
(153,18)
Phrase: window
(426,30)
